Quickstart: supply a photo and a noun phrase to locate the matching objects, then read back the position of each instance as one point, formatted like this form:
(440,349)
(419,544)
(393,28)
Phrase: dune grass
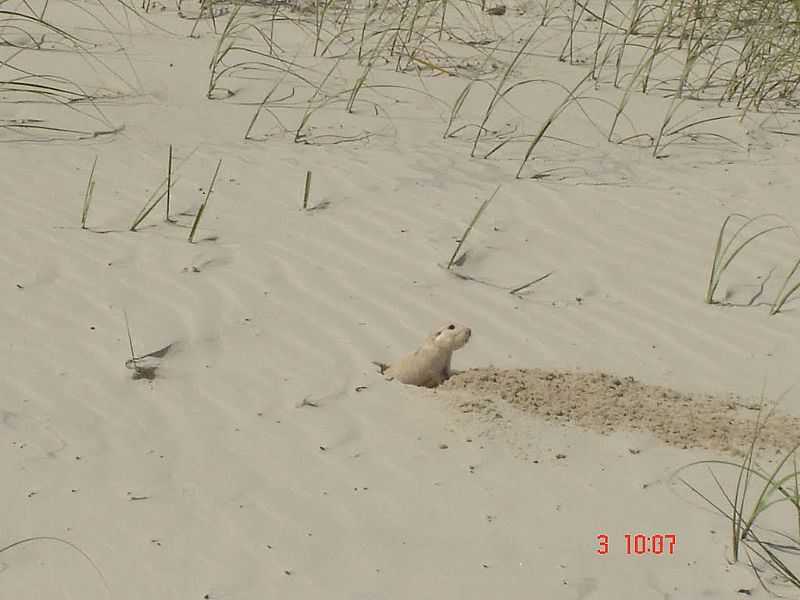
(138,372)
(454,258)
(306,190)
(58,540)
(689,55)
(72,104)
(759,491)
(161,190)
(500,89)
(786,290)
(525,286)
(202,208)
(167,218)
(153,201)
(725,254)
(87,197)
(560,108)
(742,56)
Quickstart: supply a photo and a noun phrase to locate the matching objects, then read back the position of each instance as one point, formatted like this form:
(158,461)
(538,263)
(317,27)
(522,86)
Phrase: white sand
(213,480)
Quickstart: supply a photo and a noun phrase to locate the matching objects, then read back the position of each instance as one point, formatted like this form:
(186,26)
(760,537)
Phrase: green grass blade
(471,225)
(87,198)
(202,208)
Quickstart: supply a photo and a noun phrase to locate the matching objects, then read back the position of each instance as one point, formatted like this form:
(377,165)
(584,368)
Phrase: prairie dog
(430,364)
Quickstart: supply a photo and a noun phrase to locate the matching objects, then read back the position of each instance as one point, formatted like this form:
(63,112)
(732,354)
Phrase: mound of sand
(605,402)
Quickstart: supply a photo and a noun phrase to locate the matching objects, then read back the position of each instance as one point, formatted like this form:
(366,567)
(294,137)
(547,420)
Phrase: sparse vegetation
(704,61)
(306,190)
(784,294)
(167,218)
(87,197)
(759,494)
(58,540)
(725,252)
(499,86)
(140,371)
(202,208)
(55,107)
(161,191)
(476,216)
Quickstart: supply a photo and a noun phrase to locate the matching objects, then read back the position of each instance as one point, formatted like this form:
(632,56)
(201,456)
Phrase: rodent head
(452,337)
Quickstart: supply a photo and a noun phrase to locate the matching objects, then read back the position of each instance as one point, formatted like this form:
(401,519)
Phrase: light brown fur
(429,366)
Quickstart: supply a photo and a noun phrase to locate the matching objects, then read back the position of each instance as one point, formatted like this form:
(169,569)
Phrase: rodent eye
(451,326)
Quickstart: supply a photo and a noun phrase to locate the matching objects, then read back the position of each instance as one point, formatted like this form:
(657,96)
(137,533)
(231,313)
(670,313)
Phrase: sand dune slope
(263,456)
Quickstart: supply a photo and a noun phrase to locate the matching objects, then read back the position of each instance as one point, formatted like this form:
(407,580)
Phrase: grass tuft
(724,255)
(784,294)
(759,491)
(160,192)
(139,371)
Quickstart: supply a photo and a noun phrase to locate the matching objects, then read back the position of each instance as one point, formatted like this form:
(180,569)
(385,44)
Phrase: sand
(606,403)
(260,454)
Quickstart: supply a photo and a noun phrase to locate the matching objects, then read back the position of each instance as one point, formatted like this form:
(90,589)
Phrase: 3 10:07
(642,544)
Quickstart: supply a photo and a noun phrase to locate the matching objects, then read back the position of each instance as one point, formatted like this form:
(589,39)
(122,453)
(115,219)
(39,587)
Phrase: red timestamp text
(639,543)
